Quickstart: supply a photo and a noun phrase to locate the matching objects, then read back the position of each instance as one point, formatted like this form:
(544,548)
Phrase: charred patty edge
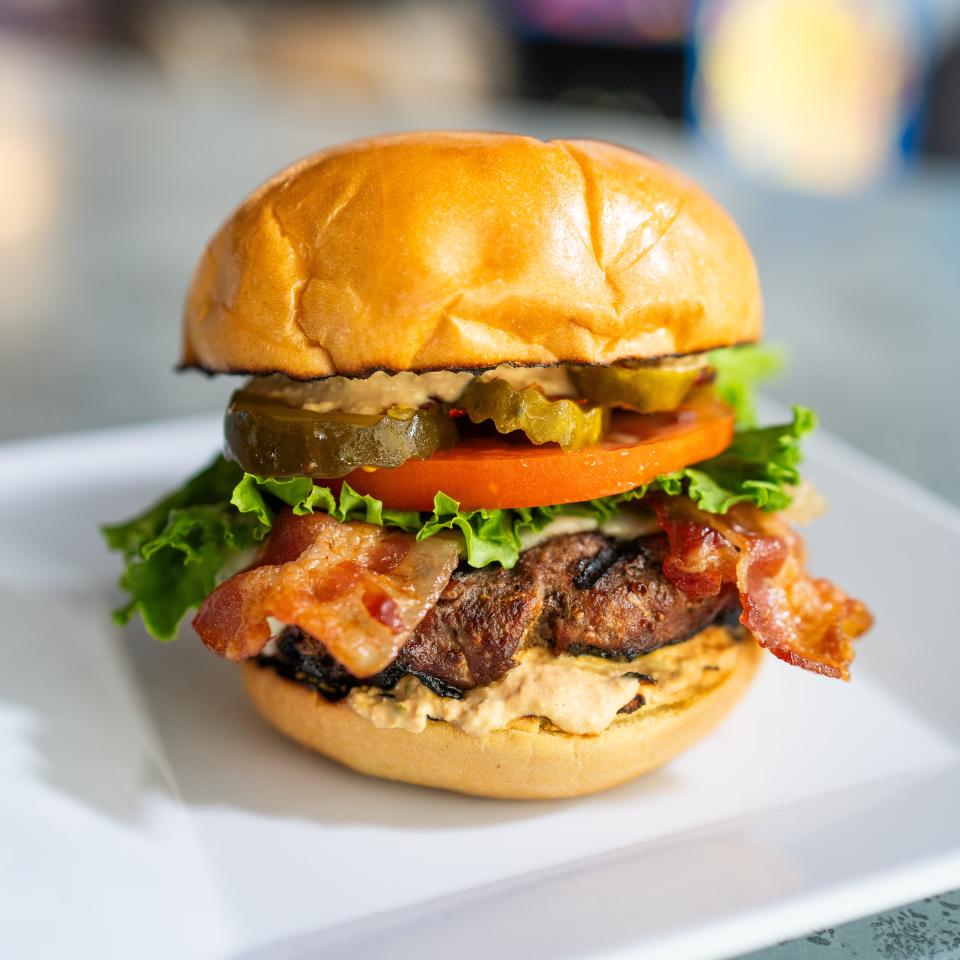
(582,594)
(326,677)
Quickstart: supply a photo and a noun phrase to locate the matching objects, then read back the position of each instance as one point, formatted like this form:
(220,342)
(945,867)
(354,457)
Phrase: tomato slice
(499,473)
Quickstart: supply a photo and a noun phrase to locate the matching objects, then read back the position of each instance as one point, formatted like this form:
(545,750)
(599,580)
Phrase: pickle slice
(646,389)
(272,439)
(543,420)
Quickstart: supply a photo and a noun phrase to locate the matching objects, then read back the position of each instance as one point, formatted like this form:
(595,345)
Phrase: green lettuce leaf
(177,550)
(212,485)
(489,536)
(740,370)
(759,467)
(252,495)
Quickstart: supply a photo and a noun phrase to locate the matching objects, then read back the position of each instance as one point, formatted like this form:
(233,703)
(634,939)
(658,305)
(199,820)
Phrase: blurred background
(829,128)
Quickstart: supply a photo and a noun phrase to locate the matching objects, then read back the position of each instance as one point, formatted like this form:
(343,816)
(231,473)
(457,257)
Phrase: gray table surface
(117,179)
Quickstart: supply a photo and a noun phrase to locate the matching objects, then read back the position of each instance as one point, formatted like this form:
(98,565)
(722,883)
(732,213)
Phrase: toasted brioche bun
(435,251)
(525,761)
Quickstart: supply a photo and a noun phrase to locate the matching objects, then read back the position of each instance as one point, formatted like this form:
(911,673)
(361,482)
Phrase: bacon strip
(359,587)
(807,622)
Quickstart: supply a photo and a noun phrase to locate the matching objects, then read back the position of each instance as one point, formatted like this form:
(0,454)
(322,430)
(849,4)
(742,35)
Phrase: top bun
(434,251)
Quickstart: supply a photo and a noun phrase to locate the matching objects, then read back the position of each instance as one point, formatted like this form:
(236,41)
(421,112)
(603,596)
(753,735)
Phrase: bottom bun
(523,761)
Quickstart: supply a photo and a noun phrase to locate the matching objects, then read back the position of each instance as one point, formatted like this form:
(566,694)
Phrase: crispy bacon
(362,588)
(807,622)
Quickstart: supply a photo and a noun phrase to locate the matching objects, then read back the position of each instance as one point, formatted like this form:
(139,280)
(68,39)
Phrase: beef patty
(577,593)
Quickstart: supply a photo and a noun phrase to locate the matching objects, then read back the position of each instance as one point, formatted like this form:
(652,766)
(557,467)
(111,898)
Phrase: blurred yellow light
(808,90)
(27,179)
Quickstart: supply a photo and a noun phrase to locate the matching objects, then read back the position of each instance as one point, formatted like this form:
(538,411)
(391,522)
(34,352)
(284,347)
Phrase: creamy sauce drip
(380,391)
(580,695)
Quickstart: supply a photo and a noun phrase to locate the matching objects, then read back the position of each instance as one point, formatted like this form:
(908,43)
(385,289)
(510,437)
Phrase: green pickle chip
(543,420)
(273,439)
(270,435)
(645,389)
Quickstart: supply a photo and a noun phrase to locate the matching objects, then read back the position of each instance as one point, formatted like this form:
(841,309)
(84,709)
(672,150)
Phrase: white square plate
(145,811)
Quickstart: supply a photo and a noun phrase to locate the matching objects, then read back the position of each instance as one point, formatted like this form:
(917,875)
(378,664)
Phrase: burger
(493,512)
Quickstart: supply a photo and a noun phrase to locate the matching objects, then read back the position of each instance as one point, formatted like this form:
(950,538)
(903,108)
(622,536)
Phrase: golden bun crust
(433,251)
(522,762)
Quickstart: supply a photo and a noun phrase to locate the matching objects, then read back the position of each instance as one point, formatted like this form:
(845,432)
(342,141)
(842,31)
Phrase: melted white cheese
(626,524)
(630,522)
(557,528)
